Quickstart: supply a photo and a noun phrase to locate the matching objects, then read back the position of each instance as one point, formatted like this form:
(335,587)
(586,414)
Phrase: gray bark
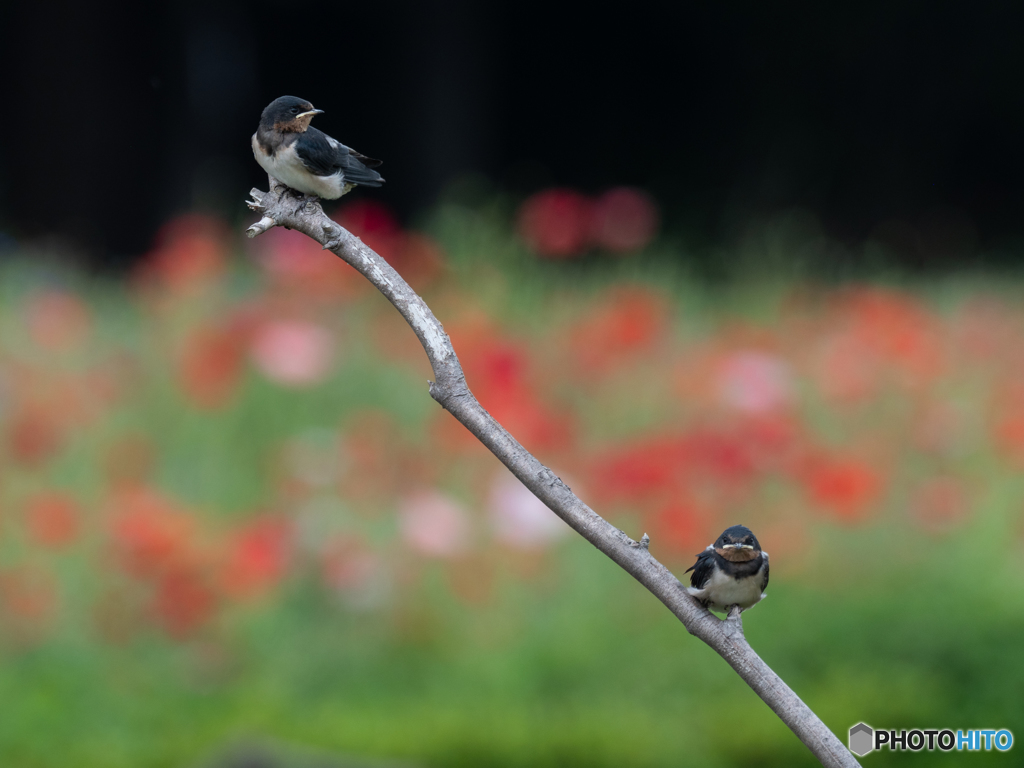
(280,207)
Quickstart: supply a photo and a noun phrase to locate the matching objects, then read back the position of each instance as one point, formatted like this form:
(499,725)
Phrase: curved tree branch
(281,208)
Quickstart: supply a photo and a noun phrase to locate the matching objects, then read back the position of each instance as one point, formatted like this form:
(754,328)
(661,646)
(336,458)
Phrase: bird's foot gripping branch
(277,208)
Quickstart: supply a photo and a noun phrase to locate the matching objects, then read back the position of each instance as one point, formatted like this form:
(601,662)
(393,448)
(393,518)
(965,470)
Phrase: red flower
(499,372)
(882,331)
(296,263)
(726,456)
(647,468)
(683,527)
(34,437)
(627,321)
(561,223)
(773,441)
(57,320)
(150,533)
(556,223)
(257,557)
(183,601)
(28,599)
(846,487)
(984,328)
(623,220)
(211,365)
(1009,436)
(654,467)
(848,367)
(190,252)
(372,222)
(417,258)
(1007,415)
(52,519)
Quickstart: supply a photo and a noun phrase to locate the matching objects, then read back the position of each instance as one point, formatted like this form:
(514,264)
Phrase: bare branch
(281,207)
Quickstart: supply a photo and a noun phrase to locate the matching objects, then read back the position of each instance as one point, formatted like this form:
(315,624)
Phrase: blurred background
(713,265)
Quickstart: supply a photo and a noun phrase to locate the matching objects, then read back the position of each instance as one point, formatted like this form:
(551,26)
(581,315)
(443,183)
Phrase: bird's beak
(738,553)
(310,112)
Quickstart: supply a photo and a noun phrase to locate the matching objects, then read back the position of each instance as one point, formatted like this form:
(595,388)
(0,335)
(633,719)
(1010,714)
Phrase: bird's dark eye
(294,110)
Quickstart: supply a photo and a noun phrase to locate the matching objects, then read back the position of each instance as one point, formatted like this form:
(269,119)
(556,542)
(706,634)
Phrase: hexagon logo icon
(862,739)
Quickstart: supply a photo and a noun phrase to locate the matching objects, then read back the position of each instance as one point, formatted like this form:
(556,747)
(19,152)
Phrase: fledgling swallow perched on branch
(732,571)
(305,159)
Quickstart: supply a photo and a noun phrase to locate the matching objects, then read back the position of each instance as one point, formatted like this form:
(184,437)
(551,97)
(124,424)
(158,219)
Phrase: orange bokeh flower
(623,220)
(556,223)
(499,370)
(256,557)
(419,259)
(1006,415)
(150,533)
(53,519)
(562,223)
(683,527)
(636,472)
(1009,437)
(183,601)
(880,335)
(159,543)
(845,487)
(57,320)
(626,321)
(28,600)
(34,436)
(415,256)
(373,222)
(190,252)
(211,365)
(295,263)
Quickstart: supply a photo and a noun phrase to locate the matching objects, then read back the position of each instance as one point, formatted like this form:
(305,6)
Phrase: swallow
(305,159)
(732,571)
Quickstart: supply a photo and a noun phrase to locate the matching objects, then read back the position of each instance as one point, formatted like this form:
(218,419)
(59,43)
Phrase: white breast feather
(286,167)
(722,590)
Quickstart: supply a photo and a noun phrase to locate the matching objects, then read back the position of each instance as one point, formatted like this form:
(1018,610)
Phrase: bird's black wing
(367,161)
(323,156)
(702,569)
(764,573)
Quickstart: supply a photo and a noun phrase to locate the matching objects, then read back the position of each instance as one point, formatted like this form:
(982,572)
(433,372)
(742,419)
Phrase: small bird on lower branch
(305,159)
(732,571)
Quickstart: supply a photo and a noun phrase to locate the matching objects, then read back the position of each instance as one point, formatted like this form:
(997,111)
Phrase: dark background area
(898,120)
